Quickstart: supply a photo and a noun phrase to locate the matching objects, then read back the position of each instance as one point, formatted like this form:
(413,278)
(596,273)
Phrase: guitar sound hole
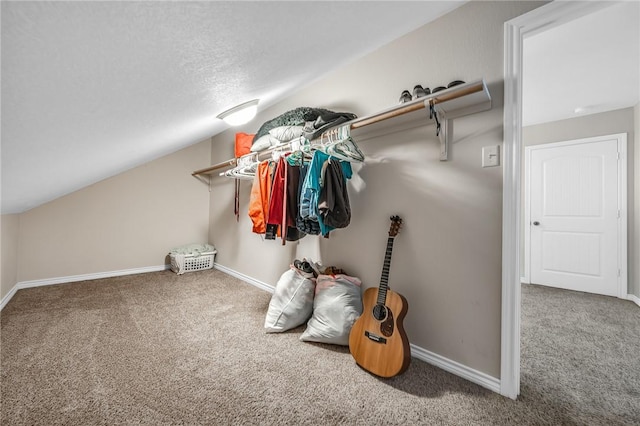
(386,328)
(380,312)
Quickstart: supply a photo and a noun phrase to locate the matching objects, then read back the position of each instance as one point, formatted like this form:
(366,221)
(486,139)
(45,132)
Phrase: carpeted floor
(581,352)
(158,349)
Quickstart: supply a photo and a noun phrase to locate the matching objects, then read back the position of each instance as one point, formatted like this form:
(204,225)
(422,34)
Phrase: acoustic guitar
(377,340)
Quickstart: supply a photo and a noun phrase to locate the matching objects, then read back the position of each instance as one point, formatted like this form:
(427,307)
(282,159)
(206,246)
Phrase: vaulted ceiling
(91,89)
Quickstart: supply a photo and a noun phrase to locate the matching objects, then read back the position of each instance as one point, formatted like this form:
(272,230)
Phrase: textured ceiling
(91,89)
(591,63)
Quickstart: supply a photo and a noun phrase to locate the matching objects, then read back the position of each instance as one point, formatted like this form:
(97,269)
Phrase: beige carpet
(158,349)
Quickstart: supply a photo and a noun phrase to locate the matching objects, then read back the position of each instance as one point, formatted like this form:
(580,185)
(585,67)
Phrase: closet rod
(414,105)
(434,98)
(234,161)
(227,163)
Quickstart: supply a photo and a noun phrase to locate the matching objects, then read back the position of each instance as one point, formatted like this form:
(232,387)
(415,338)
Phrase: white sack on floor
(337,305)
(292,301)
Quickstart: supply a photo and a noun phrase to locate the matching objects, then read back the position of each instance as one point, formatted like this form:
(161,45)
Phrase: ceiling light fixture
(240,114)
(586,109)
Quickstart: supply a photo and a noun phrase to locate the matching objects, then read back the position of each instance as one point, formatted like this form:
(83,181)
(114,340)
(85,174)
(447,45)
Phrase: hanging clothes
(272,230)
(306,225)
(292,212)
(311,189)
(259,198)
(313,186)
(283,203)
(333,203)
(276,202)
(236,206)
(293,197)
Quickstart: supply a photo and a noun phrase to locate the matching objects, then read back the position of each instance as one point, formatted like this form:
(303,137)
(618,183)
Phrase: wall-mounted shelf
(458,101)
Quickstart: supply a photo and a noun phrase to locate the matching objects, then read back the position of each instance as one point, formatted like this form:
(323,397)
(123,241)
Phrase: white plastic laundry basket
(193,257)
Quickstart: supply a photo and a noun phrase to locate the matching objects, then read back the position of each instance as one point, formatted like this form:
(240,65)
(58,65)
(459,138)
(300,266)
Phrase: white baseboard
(83,277)
(8,297)
(456,368)
(417,352)
(261,285)
(635,299)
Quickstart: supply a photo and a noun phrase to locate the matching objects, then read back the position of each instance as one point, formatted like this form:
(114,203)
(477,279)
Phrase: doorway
(575,228)
(539,20)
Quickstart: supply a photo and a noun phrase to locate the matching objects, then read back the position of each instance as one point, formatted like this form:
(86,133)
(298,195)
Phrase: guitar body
(381,346)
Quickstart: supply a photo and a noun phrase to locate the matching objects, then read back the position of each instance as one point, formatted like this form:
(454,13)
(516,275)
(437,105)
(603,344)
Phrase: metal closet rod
(415,105)
(227,163)
(420,103)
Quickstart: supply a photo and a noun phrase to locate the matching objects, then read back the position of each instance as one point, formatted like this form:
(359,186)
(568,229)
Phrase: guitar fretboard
(384,278)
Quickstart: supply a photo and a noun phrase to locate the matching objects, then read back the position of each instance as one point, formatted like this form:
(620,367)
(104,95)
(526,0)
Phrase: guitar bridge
(375,338)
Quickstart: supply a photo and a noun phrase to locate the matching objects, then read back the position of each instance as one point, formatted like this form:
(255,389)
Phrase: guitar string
(384,279)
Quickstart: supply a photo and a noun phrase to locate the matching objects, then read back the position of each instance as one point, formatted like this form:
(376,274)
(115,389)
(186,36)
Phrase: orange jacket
(259,198)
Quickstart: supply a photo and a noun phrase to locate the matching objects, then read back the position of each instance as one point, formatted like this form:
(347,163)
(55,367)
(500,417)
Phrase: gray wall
(618,121)
(634,285)
(9,252)
(447,258)
(128,221)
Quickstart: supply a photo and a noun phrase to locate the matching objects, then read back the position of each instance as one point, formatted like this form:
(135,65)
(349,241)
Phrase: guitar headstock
(396,224)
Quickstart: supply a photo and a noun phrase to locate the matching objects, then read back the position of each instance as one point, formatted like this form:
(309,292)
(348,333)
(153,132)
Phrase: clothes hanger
(246,168)
(344,147)
(276,154)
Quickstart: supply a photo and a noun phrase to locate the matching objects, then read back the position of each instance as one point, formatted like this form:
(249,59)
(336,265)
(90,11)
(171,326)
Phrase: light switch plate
(490,156)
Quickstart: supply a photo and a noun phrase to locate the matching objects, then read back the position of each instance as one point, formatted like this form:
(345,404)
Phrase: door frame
(515,30)
(621,142)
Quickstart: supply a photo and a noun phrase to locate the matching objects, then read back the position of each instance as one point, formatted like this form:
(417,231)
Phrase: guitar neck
(384,278)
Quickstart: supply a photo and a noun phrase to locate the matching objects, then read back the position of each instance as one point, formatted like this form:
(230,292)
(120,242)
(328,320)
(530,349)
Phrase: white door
(577,214)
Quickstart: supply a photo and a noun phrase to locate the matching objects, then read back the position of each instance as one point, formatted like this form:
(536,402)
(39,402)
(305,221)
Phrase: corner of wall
(9,237)
(634,284)
(126,222)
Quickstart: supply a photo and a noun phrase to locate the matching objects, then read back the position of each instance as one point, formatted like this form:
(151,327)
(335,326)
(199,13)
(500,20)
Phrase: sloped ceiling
(91,89)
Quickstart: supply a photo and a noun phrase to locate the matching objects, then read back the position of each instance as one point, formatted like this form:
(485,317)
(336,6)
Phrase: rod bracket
(442,127)
(444,138)
(206,181)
